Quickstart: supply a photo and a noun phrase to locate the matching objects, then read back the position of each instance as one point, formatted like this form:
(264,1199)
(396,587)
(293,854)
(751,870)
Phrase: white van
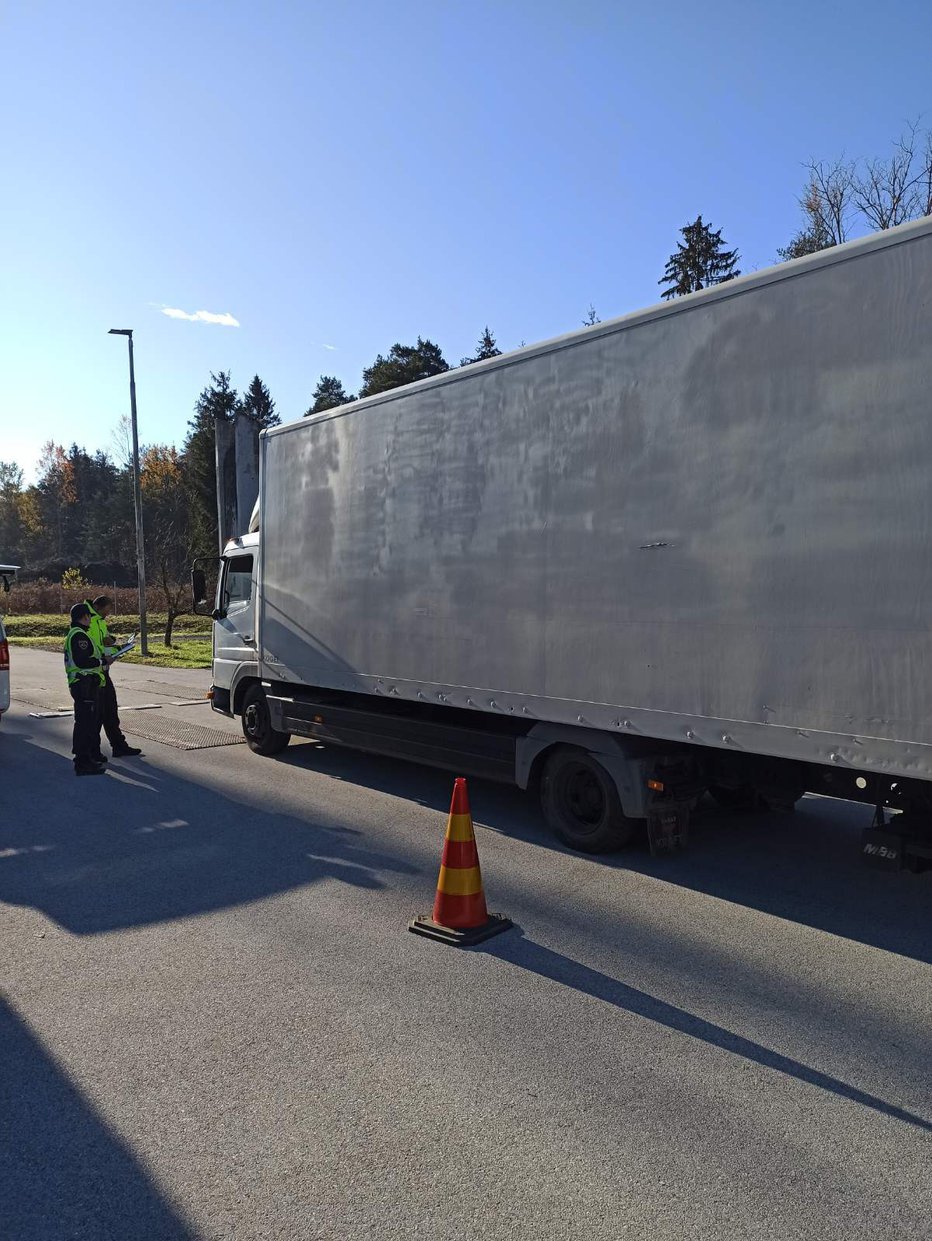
(7,575)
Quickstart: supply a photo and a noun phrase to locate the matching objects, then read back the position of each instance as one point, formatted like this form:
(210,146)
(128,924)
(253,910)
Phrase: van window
(237,590)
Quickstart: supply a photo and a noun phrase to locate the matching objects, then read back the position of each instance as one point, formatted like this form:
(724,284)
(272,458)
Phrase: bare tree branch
(886,192)
(121,439)
(880,193)
(827,200)
(923,180)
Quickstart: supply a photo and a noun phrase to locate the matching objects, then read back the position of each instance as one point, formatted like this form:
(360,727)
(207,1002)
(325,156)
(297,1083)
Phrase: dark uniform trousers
(109,715)
(85,740)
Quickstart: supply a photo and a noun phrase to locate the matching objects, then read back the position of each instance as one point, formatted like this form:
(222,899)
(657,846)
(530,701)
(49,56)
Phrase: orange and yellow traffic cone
(460,916)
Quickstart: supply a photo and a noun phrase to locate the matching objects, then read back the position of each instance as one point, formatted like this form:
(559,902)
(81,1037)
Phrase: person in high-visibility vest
(100,609)
(84,668)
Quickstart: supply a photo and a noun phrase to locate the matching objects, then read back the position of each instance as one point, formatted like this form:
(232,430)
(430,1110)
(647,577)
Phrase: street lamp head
(120,331)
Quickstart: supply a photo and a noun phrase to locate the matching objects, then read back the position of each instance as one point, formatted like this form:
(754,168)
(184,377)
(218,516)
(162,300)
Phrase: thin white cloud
(201,316)
(332,348)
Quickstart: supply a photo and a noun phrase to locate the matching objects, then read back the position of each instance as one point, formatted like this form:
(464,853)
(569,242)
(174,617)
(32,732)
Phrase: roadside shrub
(43,596)
(72,580)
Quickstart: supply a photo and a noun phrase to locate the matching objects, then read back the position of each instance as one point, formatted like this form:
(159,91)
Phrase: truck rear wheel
(581,803)
(260,736)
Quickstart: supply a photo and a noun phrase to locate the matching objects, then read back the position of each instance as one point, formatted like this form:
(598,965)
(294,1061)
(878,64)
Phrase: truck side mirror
(201,605)
(199,587)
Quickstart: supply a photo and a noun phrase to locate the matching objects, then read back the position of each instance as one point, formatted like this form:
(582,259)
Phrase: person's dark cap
(78,612)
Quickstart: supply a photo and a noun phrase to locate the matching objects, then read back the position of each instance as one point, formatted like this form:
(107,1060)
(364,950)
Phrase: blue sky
(339,176)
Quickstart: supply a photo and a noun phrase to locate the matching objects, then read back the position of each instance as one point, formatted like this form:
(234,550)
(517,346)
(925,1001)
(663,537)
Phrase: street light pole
(137,498)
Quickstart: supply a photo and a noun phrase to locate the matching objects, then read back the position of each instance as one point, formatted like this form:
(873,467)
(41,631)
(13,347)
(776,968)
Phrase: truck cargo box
(706,522)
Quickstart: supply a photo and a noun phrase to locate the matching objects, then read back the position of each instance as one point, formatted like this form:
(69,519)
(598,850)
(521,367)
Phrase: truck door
(235,623)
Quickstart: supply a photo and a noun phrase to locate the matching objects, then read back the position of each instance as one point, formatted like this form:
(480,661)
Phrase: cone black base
(426,926)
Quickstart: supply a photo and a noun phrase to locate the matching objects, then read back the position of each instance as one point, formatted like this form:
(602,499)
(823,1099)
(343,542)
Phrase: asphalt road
(214,1023)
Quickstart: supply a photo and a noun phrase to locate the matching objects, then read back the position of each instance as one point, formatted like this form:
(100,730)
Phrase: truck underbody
(598,792)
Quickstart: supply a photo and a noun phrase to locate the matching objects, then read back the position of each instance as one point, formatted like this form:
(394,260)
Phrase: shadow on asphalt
(152,846)
(514,948)
(805,867)
(164,847)
(64,1172)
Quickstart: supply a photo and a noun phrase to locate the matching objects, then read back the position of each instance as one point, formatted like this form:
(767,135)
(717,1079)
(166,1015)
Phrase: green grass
(193,654)
(46,632)
(189,654)
(54,625)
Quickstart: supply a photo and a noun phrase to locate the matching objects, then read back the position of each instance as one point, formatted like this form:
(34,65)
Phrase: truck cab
(233,610)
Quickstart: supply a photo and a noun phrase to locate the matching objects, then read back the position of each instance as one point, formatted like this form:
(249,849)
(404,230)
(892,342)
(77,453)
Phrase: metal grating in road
(178,733)
(171,689)
(47,700)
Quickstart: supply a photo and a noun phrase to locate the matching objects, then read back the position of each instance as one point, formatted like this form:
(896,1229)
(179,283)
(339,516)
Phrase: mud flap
(667,829)
(882,849)
(889,850)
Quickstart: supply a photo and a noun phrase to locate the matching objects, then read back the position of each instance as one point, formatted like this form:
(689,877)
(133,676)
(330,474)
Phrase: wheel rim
(252,719)
(581,797)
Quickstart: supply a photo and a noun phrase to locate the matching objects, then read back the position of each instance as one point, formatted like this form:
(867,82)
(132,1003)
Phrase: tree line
(79,515)
(840,200)
(79,512)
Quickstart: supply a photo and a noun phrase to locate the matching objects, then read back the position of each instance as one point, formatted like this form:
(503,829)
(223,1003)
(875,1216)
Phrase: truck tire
(260,736)
(581,803)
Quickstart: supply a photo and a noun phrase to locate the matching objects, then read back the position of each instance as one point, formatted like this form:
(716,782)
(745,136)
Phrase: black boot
(89,769)
(125,751)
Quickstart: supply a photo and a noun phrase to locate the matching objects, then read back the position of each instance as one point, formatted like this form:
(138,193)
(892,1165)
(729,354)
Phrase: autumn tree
(168,527)
(827,205)
(842,196)
(813,236)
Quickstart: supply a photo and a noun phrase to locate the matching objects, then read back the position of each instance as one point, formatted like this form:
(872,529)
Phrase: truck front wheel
(260,736)
(581,803)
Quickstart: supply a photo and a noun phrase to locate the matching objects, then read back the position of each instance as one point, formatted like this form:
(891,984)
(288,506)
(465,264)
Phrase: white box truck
(686,549)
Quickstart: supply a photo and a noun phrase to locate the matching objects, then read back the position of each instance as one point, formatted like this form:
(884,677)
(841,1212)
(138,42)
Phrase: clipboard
(124,649)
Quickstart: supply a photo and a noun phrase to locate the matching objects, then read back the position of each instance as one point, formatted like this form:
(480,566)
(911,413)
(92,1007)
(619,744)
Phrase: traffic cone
(460,916)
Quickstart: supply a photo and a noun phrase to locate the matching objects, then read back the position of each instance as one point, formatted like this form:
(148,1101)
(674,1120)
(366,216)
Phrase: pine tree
(405,364)
(217,402)
(328,394)
(107,525)
(57,495)
(486,348)
(258,404)
(12,529)
(700,261)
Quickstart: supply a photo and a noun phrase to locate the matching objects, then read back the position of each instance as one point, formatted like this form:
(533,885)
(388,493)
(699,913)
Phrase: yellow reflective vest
(73,670)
